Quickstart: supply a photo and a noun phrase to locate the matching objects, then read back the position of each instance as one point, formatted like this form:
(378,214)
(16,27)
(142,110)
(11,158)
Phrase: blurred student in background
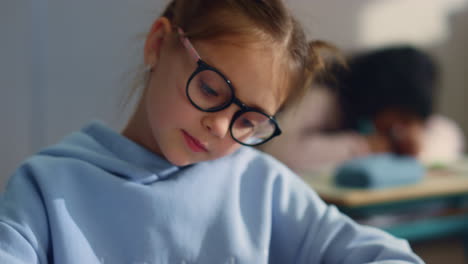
(381,101)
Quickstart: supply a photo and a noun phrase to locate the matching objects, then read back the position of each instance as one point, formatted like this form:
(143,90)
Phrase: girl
(176,186)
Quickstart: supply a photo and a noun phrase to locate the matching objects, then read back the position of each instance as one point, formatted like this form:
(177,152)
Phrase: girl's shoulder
(92,151)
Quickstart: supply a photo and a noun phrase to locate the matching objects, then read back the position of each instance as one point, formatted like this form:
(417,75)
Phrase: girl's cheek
(231,147)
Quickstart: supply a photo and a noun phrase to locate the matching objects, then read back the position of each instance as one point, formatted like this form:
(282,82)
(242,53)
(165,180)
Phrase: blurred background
(64,63)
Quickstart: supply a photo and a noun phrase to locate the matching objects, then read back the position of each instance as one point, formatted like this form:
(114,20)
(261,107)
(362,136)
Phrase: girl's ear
(159,33)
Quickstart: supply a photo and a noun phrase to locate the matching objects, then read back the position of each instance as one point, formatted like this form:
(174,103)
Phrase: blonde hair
(267,20)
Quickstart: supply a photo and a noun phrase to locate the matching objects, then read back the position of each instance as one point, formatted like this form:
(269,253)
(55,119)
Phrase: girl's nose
(217,123)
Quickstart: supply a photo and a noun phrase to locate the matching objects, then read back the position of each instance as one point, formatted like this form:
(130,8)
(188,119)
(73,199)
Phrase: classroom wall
(66,62)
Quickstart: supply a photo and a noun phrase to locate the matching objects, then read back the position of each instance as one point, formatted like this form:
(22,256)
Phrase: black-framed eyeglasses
(210,91)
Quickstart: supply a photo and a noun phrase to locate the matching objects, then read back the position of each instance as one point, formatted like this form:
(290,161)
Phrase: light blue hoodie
(98,197)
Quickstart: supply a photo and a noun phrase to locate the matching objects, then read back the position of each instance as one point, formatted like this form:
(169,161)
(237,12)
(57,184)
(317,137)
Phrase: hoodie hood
(102,147)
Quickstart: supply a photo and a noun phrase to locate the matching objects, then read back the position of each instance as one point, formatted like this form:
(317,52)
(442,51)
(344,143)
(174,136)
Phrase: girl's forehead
(255,69)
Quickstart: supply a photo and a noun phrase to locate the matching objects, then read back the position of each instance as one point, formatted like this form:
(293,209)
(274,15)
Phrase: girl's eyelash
(207,89)
(247,122)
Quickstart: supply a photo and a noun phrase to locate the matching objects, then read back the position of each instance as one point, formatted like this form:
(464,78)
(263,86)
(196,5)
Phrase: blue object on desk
(379,171)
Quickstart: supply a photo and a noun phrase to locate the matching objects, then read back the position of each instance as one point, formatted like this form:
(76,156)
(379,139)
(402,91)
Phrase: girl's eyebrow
(262,109)
(257,107)
(252,105)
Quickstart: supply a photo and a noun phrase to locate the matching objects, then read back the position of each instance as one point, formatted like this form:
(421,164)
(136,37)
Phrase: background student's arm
(24,230)
(306,230)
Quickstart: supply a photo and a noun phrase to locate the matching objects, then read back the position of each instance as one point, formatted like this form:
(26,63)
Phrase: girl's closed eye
(243,127)
(253,120)
(206,89)
(246,123)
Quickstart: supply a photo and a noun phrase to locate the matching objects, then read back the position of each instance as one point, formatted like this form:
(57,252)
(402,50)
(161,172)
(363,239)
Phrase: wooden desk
(435,207)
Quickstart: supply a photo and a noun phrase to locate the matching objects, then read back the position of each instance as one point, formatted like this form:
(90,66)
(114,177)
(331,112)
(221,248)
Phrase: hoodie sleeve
(306,230)
(23,221)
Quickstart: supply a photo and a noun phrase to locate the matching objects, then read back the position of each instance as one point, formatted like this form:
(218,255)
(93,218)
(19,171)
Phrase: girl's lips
(193,143)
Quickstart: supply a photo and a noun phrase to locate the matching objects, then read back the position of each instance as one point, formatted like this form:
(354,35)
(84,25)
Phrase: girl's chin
(179,160)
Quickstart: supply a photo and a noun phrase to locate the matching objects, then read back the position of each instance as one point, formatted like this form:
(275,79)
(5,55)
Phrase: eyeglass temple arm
(191,50)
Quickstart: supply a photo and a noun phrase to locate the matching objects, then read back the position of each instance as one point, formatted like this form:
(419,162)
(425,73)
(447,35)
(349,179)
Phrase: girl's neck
(139,130)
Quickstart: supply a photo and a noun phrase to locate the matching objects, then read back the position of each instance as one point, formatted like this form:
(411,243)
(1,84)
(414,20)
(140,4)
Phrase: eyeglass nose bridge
(242,106)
